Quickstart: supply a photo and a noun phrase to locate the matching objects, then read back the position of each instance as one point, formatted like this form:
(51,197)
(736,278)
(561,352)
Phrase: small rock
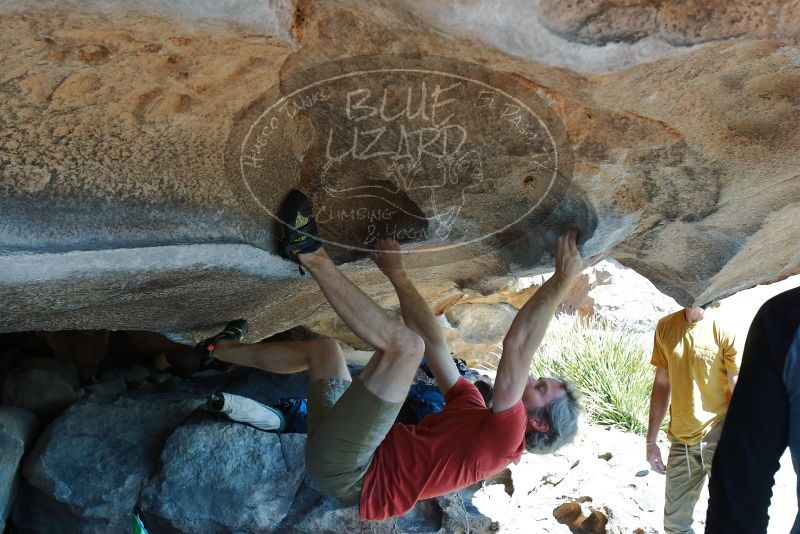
(568,512)
(595,523)
(206,373)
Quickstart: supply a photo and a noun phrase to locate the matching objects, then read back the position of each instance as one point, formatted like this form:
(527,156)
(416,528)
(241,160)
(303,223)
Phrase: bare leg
(322,357)
(391,369)
(365,318)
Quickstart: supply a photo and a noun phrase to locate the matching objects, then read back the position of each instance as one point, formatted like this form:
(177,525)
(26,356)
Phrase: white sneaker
(247,411)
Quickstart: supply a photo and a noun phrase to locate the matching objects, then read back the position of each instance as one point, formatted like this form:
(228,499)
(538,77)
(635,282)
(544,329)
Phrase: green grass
(608,363)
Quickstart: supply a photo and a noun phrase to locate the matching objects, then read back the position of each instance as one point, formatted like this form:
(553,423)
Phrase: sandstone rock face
(124,205)
(682,22)
(481,323)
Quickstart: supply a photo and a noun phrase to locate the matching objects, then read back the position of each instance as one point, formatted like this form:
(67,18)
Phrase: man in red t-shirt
(355,450)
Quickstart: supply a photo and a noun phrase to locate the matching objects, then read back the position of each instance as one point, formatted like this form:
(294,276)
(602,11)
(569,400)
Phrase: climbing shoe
(300,235)
(235,330)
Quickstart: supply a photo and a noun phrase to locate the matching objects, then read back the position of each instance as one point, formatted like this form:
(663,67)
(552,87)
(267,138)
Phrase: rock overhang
(115,163)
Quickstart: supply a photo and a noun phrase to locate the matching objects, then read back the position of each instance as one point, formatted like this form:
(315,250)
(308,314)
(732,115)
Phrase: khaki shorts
(346,424)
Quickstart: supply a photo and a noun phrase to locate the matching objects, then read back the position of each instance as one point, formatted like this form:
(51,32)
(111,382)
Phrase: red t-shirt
(460,445)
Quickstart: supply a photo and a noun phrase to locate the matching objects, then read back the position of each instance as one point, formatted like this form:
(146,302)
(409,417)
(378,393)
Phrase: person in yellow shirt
(696,370)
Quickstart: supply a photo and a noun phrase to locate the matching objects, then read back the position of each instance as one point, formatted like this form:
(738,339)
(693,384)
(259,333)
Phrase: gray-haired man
(356,452)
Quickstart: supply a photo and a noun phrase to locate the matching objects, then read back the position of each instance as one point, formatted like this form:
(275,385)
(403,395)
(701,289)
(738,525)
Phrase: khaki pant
(346,424)
(687,469)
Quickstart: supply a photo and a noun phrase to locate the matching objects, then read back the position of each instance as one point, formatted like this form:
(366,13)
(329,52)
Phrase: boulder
(45,386)
(61,367)
(187,471)
(90,465)
(18,430)
(205,468)
(481,323)
(129,209)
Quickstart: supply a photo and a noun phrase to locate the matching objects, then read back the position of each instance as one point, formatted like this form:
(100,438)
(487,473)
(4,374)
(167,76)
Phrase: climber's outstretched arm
(529,326)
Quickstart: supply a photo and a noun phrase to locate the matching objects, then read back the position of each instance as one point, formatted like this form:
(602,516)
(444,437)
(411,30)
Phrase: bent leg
(322,357)
(390,372)
(328,374)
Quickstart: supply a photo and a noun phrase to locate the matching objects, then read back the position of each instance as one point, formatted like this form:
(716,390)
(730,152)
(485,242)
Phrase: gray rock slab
(45,392)
(60,366)
(96,458)
(219,477)
(18,430)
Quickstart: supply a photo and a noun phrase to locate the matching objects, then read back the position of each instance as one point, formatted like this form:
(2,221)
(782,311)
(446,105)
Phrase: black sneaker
(235,330)
(300,235)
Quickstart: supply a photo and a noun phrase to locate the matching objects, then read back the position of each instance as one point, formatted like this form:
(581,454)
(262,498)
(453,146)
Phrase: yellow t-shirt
(699,357)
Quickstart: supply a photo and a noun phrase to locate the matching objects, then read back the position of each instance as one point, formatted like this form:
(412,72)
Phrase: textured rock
(571,515)
(90,465)
(64,369)
(190,473)
(681,22)
(122,209)
(207,467)
(481,323)
(18,430)
(45,386)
